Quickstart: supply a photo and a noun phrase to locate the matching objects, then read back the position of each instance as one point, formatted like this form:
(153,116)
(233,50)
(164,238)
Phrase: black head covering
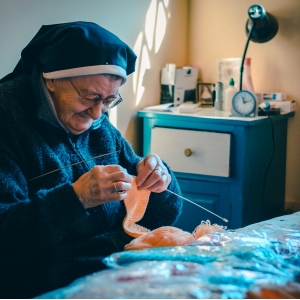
(73,49)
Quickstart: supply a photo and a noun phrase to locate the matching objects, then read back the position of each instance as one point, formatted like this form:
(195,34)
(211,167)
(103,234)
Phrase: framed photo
(204,93)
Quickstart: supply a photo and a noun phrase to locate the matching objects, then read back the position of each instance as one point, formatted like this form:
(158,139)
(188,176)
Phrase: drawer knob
(187,152)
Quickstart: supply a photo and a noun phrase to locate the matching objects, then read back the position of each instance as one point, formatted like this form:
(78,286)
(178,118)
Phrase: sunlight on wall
(113,116)
(152,35)
(161,24)
(155,27)
(150,24)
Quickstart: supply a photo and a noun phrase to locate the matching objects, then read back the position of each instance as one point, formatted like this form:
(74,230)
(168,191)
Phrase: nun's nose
(97,110)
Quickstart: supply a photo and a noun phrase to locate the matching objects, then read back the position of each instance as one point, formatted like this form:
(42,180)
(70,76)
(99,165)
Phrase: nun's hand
(103,184)
(152,174)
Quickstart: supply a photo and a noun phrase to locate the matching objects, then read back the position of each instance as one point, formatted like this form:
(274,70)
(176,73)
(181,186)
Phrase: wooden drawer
(210,151)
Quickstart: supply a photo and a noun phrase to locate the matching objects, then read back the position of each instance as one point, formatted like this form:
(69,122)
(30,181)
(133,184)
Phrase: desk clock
(244,104)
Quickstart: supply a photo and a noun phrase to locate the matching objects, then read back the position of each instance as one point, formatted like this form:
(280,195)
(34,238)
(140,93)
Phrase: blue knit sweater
(47,238)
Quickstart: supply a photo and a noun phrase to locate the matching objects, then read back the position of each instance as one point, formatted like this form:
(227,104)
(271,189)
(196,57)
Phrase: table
(224,264)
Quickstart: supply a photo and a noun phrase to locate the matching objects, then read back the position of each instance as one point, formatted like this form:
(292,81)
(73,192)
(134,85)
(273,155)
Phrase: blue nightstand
(234,167)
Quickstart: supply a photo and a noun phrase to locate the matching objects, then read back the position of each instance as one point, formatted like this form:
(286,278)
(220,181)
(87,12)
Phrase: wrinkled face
(72,113)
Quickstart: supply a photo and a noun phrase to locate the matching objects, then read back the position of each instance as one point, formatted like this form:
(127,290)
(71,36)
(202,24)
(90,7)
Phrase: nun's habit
(73,49)
(47,238)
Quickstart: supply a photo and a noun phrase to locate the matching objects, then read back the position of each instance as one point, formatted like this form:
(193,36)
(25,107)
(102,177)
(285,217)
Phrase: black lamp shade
(265,25)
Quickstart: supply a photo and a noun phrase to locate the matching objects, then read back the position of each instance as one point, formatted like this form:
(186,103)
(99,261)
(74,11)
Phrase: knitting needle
(225,220)
(82,161)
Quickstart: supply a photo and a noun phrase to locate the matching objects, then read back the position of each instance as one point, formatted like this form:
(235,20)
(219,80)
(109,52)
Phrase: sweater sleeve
(32,217)
(41,219)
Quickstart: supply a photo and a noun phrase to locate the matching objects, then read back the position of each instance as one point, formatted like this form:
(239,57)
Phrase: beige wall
(217,30)
(173,49)
(197,32)
(128,19)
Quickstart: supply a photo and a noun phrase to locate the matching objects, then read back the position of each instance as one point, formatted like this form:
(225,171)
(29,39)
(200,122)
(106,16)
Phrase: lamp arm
(244,55)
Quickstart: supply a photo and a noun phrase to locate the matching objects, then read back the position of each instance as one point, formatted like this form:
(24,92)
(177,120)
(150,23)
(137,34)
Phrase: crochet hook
(82,161)
(225,220)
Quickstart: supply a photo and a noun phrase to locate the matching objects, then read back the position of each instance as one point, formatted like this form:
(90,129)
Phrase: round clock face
(244,103)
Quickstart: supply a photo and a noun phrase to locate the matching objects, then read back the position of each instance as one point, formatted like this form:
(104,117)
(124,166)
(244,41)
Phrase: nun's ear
(50,85)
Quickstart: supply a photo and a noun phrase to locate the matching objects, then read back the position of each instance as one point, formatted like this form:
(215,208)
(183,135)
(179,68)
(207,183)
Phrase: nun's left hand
(152,174)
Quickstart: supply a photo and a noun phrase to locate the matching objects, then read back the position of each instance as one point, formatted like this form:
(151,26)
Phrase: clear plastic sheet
(223,264)
(165,280)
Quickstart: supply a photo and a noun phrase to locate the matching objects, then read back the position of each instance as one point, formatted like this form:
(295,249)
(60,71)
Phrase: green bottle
(228,95)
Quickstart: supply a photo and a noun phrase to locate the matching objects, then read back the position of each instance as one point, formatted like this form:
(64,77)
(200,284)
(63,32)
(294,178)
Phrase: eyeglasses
(93,99)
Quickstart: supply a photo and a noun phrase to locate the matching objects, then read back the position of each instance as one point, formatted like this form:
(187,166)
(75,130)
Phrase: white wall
(128,19)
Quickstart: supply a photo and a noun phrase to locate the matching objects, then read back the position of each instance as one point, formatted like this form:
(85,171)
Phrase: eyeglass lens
(93,99)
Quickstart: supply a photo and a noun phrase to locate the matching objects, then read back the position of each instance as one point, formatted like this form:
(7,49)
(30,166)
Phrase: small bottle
(247,78)
(219,96)
(228,95)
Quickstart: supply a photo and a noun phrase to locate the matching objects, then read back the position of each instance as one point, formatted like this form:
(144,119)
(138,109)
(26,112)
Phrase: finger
(109,168)
(145,168)
(120,176)
(120,187)
(154,177)
(117,196)
(156,182)
(161,169)
(166,179)
(112,173)
(160,185)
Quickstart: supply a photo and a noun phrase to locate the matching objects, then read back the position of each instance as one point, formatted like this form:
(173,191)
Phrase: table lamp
(260,28)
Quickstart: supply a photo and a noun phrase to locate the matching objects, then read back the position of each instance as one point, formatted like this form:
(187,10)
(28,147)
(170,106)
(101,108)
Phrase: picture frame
(204,93)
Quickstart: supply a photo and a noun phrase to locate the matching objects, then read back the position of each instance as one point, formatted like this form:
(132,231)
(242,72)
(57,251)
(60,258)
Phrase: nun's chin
(78,125)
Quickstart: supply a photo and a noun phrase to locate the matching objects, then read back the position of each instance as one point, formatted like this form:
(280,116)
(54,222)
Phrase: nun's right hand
(103,184)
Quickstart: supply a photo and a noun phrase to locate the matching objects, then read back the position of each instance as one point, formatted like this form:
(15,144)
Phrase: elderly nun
(57,223)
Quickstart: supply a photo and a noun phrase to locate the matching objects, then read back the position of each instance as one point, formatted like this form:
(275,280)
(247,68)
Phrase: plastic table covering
(224,264)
